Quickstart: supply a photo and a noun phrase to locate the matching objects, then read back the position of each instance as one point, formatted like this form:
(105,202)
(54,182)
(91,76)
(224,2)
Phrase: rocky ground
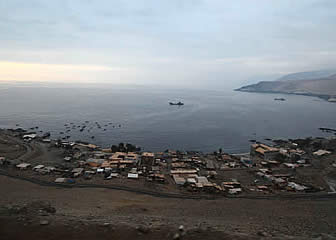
(57,213)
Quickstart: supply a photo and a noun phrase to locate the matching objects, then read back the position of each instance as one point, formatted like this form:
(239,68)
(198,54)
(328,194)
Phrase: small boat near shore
(176,104)
(327,129)
(279,99)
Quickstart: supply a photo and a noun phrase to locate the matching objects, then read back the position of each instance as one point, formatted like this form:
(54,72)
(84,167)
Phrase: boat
(279,99)
(176,104)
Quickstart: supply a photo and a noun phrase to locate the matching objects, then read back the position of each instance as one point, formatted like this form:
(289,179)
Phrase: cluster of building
(276,167)
(273,167)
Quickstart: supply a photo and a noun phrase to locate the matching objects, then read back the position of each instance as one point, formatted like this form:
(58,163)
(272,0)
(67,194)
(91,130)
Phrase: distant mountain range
(308,75)
(316,83)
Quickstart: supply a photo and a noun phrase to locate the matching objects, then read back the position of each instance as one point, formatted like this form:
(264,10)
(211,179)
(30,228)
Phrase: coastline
(65,157)
(321,96)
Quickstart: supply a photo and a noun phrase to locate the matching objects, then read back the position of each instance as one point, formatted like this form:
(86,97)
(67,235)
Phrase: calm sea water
(209,120)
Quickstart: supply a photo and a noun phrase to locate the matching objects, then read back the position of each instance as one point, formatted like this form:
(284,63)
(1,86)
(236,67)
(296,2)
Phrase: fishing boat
(176,104)
(279,99)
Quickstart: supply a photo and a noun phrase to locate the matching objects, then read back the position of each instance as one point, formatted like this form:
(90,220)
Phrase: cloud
(167,42)
(21,71)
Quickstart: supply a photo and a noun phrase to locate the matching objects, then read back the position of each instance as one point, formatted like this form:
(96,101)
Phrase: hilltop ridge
(298,83)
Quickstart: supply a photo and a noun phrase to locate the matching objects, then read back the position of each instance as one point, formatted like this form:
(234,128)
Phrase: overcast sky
(177,42)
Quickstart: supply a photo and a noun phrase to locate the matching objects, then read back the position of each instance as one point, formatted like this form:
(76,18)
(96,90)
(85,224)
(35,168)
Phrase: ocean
(209,120)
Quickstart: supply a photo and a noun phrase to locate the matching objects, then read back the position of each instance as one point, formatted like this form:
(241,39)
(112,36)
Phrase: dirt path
(27,151)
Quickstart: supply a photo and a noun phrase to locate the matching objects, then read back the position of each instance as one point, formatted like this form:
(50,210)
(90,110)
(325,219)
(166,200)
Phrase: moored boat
(176,104)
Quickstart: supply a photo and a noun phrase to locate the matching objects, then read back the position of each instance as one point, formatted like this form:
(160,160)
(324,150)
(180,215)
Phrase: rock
(262,234)
(143,229)
(181,228)
(106,224)
(43,214)
(50,209)
(21,219)
(44,222)
(327,236)
(176,236)
(16,209)
(41,206)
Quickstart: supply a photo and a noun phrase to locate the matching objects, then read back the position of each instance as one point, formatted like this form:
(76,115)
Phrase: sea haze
(209,120)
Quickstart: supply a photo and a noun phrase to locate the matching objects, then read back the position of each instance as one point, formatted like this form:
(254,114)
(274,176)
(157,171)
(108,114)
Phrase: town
(285,166)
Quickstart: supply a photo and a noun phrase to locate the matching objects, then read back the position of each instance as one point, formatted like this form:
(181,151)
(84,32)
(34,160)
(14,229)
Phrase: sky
(205,43)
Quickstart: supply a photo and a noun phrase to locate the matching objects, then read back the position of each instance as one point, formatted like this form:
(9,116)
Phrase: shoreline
(321,96)
(20,130)
(65,157)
